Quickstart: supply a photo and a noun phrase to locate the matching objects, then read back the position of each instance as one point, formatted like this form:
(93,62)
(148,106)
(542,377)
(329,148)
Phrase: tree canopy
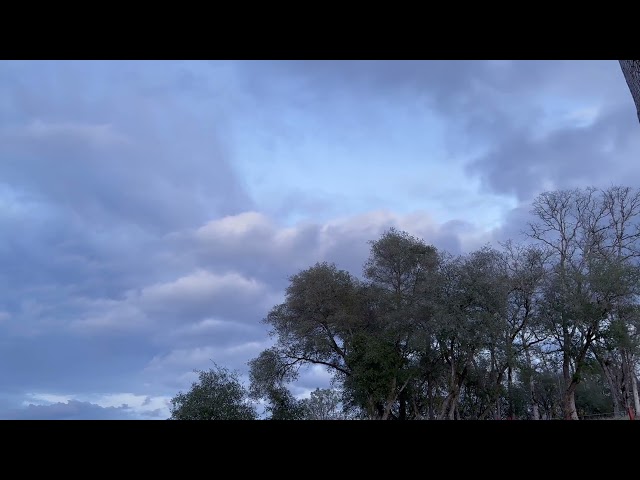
(217,395)
(546,328)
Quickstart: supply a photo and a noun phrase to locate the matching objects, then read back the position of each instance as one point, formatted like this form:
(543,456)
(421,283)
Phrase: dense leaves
(218,395)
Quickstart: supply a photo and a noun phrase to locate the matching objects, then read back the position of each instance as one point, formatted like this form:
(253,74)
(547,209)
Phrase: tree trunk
(532,384)
(569,403)
(432,413)
(615,389)
(607,364)
(569,395)
(402,415)
(630,382)
(631,71)
(534,406)
(391,399)
(636,399)
(626,380)
(416,411)
(373,409)
(449,405)
(510,392)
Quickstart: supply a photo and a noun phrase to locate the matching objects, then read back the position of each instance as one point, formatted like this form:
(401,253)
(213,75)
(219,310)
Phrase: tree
(324,404)
(269,375)
(218,395)
(527,331)
(631,71)
(527,270)
(365,333)
(471,325)
(592,277)
(316,322)
(401,271)
(316,325)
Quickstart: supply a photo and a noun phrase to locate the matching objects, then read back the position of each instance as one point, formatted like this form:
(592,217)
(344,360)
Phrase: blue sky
(152,211)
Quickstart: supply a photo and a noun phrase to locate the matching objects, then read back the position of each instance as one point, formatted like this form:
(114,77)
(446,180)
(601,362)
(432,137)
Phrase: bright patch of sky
(358,155)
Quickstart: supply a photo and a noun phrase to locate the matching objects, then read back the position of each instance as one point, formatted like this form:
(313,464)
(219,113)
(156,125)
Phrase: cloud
(154,211)
(199,357)
(310,378)
(108,152)
(140,406)
(159,332)
(190,298)
(113,406)
(255,243)
(200,286)
(98,135)
(175,369)
(478,98)
(599,153)
(71,410)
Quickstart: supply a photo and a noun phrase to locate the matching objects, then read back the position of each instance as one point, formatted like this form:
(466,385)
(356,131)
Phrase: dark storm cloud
(515,226)
(599,154)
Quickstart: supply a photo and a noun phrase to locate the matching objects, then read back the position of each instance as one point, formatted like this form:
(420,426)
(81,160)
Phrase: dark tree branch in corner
(631,70)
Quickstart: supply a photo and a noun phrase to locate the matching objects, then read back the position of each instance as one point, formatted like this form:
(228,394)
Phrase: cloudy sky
(152,212)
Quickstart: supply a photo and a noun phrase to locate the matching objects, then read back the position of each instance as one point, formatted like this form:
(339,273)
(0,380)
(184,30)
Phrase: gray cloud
(255,244)
(520,120)
(108,152)
(493,98)
(600,154)
(71,410)
(134,253)
(233,270)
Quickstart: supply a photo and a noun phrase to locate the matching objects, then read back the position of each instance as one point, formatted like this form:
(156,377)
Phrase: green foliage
(269,374)
(218,395)
(593,399)
(284,406)
(324,404)
(318,316)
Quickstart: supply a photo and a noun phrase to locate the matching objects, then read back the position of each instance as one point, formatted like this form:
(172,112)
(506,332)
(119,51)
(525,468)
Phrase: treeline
(544,329)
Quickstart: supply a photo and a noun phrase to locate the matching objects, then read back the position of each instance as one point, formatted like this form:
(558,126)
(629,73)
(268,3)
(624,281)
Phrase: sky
(151,212)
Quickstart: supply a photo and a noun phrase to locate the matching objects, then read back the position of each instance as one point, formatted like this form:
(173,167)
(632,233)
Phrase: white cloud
(235,226)
(139,406)
(211,325)
(193,302)
(198,286)
(46,398)
(201,357)
(258,244)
